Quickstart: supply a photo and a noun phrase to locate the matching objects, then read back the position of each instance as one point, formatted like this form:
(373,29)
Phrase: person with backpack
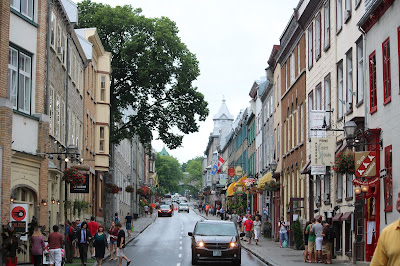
(328,235)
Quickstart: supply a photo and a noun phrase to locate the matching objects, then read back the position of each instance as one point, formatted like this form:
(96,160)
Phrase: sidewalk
(270,253)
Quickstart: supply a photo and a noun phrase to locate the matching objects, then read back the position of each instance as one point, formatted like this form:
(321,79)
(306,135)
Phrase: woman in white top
(257,228)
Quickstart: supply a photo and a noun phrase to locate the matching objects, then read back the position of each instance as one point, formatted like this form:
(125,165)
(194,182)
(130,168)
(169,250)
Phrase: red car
(165,210)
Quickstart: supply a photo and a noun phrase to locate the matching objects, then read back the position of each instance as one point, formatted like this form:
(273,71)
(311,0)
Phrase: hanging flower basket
(344,162)
(143,202)
(129,189)
(112,188)
(73,177)
(272,186)
(144,191)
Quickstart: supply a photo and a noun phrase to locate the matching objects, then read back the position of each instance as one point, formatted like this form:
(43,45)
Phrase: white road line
(180,248)
(178,264)
(180,242)
(180,256)
(180,237)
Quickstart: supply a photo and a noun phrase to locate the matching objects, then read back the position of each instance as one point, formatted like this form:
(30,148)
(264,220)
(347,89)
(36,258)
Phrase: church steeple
(164,152)
(223,118)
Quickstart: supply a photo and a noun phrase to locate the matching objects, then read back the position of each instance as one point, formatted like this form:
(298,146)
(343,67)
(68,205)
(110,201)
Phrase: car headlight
(200,244)
(232,244)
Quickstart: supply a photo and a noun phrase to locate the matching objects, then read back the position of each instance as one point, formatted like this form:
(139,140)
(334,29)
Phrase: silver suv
(183,207)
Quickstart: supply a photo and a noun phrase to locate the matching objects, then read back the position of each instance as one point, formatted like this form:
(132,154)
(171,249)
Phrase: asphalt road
(166,243)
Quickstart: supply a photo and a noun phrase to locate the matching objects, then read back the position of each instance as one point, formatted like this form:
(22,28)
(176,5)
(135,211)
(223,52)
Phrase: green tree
(195,170)
(152,74)
(169,174)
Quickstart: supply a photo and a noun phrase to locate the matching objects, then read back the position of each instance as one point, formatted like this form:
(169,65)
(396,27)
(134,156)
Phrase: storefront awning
(337,217)
(265,179)
(346,216)
(307,168)
(229,191)
(318,217)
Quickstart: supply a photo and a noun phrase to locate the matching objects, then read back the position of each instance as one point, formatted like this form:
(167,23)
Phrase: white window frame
(318,36)
(318,97)
(310,32)
(327,24)
(347,10)
(292,69)
(51,111)
(360,71)
(340,89)
(25,7)
(102,139)
(53,23)
(339,15)
(310,98)
(349,185)
(327,102)
(349,80)
(339,184)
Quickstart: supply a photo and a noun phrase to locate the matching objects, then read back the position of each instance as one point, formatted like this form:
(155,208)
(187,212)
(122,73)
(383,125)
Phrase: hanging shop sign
(238,170)
(365,163)
(357,182)
(238,189)
(323,151)
(81,188)
(317,118)
(231,171)
(19,218)
(222,179)
(318,170)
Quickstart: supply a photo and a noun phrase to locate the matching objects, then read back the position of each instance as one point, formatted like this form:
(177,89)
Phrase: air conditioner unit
(59,50)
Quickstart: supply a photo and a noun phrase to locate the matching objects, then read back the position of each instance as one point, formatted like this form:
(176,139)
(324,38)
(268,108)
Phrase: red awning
(318,217)
(337,217)
(346,216)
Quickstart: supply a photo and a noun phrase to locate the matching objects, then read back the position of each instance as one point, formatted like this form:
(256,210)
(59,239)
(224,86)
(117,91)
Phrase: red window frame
(372,83)
(387,91)
(388,189)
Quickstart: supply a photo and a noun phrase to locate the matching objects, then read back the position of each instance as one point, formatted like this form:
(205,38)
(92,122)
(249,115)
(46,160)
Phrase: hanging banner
(365,163)
(19,218)
(82,188)
(318,170)
(323,151)
(317,118)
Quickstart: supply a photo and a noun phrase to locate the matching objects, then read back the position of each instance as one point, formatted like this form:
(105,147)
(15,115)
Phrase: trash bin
(135,216)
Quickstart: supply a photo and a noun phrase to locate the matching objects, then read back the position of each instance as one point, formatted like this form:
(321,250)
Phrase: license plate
(217,253)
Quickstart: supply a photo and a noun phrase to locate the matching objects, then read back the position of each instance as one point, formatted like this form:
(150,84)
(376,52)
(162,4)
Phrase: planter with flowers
(112,188)
(143,202)
(272,186)
(73,177)
(344,162)
(129,189)
(144,191)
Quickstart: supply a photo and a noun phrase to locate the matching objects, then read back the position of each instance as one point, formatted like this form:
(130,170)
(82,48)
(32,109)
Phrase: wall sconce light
(58,202)
(66,160)
(53,200)
(357,190)
(12,199)
(365,188)
(44,202)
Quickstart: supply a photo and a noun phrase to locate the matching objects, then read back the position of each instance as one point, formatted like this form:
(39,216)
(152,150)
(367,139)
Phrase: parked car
(183,207)
(216,240)
(165,210)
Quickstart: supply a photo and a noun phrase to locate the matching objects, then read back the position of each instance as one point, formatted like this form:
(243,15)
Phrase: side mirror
(190,234)
(242,234)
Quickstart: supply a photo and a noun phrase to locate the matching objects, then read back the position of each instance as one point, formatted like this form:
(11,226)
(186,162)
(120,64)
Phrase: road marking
(180,248)
(178,264)
(180,237)
(180,256)
(180,242)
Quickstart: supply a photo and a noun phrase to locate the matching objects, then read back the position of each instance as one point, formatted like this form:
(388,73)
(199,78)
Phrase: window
(360,71)
(102,139)
(52,28)
(301,123)
(278,145)
(357,3)
(386,71)
(318,36)
(318,190)
(298,125)
(339,182)
(310,46)
(327,189)
(339,20)
(340,90)
(349,186)
(327,25)
(103,88)
(318,96)
(372,83)
(327,103)
(284,137)
(19,79)
(51,114)
(286,76)
(25,7)
(388,189)
(62,122)
(347,12)
(310,107)
(298,60)
(292,69)
(278,85)
(349,80)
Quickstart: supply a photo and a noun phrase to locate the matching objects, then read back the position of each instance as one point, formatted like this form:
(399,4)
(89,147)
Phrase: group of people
(248,224)
(79,238)
(318,238)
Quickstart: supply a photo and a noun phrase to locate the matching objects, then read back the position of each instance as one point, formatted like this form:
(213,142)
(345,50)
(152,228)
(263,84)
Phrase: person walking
(234,218)
(113,232)
(38,245)
(306,242)
(55,240)
(68,242)
(100,244)
(317,230)
(239,222)
(128,224)
(146,210)
(78,226)
(283,232)
(248,229)
(116,218)
(257,228)
(222,213)
(311,242)
(93,226)
(327,243)
(207,208)
(121,246)
(84,237)
(72,239)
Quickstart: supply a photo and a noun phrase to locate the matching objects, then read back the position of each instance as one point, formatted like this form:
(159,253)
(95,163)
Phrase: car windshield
(215,229)
(183,204)
(165,207)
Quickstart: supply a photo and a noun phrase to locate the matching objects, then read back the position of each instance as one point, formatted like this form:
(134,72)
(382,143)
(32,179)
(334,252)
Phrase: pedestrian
(113,232)
(128,224)
(84,237)
(207,208)
(38,245)
(222,213)
(116,218)
(283,232)
(387,249)
(239,222)
(68,242)
(146,210)
(244,219)
(317,229)
(248,228)
(327,243)
(306,242)
(100,244)
(93,226)
(72,239)
(121,246)
(55,240)
(259,215)
(257,228)
(78,226)
(234,218)
(311,242)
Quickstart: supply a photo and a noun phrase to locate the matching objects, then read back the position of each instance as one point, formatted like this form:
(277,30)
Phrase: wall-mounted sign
(82,188)
(19,218)
(365,163)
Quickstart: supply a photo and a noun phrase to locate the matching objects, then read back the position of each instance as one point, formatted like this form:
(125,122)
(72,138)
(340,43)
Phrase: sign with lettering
(317,122)
(323,151)
(365,163)
(19,218)
(238,170)
(82,188)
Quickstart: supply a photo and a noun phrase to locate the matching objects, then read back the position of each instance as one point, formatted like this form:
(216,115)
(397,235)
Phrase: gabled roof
(164,152)
(223,112)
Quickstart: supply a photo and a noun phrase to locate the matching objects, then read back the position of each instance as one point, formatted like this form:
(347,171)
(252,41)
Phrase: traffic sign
(231,172)
(365,163)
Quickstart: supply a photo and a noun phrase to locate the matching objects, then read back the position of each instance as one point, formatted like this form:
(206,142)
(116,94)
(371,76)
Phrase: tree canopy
(169,174)
(152,74)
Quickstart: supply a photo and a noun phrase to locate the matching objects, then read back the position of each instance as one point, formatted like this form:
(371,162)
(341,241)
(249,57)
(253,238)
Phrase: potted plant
(272,186)
(344,162)
(298,236)
(74,177)
(112,188)
(129,189)
(144,191)
(11,245)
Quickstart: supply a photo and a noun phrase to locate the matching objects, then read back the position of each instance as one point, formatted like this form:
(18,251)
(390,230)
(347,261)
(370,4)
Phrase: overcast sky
(232,41)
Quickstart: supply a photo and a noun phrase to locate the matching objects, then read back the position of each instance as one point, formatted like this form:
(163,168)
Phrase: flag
(220,162)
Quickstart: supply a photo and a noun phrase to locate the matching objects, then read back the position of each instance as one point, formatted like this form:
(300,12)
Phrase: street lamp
(273,165)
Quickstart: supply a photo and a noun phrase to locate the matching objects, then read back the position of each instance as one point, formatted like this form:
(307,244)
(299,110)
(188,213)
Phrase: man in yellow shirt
(387,251)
